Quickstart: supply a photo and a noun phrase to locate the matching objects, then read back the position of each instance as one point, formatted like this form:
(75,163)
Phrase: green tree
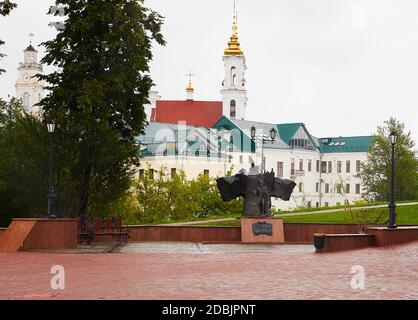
(375,173)
(96,96)
(5,8)
(23,163)
(158,198)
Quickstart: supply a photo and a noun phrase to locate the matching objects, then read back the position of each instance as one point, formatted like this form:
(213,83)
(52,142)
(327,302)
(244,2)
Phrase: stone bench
(340,242)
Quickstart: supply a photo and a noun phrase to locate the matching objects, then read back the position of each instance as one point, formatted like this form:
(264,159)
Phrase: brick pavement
(191,271)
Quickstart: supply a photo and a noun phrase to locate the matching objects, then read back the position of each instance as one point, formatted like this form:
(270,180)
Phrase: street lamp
(273,135)
(51,193)
(392,205)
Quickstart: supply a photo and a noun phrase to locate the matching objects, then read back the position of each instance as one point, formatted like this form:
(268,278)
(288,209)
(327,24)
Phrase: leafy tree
(376,171)
(5,8)
(23,163)
(96,96)
(158,198)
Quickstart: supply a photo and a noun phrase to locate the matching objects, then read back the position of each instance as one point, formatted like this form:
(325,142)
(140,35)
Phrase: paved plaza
(203,271)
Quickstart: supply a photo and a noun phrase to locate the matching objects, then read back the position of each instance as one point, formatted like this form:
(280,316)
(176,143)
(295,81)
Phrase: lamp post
(392,205)
(273,134)
(51,193)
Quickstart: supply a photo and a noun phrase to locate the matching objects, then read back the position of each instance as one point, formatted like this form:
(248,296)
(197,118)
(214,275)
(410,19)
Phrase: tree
(376,173)
(96,97)
(5,8)
(24,168)
(157,198)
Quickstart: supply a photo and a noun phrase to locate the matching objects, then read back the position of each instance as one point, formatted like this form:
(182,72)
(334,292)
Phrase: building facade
(214,138)
(28,87)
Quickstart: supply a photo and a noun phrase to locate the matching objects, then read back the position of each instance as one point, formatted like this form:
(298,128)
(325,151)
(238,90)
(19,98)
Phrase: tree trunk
(85,191)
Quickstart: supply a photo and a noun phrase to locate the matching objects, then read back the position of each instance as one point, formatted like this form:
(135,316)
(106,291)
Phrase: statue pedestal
(262,230)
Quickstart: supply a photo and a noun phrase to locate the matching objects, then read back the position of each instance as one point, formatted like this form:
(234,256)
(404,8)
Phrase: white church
(214,138)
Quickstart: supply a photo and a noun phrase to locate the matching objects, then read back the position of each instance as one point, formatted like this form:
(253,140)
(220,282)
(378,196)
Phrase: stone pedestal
(39,234)
(262,230)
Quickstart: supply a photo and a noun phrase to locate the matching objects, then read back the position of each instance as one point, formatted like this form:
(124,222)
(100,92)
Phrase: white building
(214,138)
(28,87)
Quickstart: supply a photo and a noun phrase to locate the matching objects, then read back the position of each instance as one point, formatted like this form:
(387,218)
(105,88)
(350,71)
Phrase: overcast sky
(340,66)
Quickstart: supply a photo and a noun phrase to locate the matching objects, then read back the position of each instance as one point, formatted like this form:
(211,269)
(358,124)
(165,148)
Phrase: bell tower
(234,92)
(28,87)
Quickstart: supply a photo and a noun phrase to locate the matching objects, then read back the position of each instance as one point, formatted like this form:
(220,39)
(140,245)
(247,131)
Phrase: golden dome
(190,86)
(234,47)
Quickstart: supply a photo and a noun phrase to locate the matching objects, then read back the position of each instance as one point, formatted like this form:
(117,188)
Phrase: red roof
(194,113)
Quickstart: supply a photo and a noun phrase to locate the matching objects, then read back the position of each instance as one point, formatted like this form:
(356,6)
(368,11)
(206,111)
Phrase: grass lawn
(406,215)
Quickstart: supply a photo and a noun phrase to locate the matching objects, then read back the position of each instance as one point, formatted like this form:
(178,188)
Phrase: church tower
(234,92)
(28,87)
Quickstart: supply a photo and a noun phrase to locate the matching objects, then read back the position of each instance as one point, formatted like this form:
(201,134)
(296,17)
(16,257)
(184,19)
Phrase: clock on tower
(28,87)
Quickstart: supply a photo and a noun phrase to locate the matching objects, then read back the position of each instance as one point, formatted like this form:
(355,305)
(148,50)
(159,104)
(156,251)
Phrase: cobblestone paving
(193,271)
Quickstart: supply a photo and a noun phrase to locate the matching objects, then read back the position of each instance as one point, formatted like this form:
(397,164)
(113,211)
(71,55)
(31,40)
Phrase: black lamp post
(51,193)
(392,205)
(273,134)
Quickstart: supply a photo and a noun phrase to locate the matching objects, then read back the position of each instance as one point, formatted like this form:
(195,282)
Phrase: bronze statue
(257,189)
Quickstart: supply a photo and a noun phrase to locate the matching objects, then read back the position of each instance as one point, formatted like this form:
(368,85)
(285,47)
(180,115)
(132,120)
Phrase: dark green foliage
(97,96)
(376,172)
(23,163)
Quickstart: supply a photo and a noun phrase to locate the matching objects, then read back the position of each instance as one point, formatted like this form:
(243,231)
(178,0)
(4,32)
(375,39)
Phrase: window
(347,188)
(300,186)
(317,165)
(233,109)
(327,188)
(358,165)
(310,165)
(233,76)
(173,173)
(317,204)
(206,173)
(339,165)
(338,204)
(301,165)
(347,166)
(292,169)
(324,167)
(141,172)
(309,204)
(357,188)
(326,204)
(317,187)
(151,173)
(26,101)
(280,169)
(241,159)
(329,166)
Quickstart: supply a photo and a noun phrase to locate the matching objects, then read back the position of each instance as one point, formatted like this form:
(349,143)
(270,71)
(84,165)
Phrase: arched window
(26,101)
(233,76)
(233,109)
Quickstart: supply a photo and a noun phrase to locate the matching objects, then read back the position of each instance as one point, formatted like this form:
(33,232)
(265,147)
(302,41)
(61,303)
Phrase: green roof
(288,130)
(345,144)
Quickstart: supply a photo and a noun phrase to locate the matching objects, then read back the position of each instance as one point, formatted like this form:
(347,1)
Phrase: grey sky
(340,66)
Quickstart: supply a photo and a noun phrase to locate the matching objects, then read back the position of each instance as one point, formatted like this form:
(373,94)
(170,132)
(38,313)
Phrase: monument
(256,187)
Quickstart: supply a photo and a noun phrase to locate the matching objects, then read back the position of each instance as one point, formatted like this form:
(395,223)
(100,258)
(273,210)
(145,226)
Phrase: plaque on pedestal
(262,230)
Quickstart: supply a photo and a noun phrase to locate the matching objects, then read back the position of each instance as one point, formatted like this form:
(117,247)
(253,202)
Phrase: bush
(162,199)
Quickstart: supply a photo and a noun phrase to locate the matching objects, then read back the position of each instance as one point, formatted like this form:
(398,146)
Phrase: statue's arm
(283,188)
(231,188)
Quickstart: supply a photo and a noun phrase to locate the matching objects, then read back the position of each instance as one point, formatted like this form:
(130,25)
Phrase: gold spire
(190,86)
(234,47)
